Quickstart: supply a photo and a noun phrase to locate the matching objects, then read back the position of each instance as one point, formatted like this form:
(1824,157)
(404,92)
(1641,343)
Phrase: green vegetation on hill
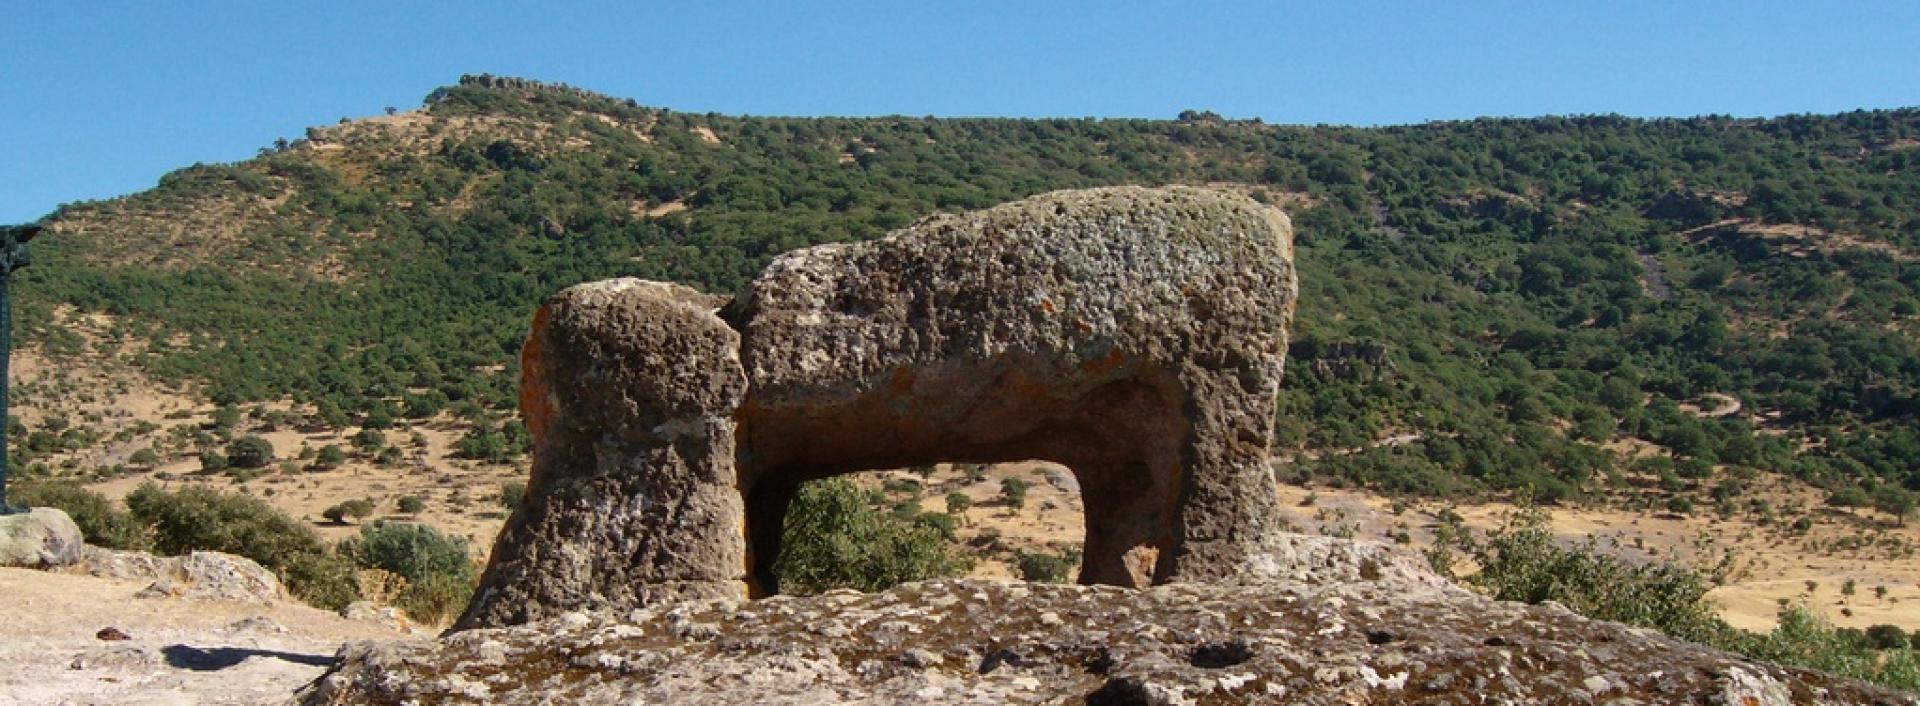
(1513,292)
(1521,562)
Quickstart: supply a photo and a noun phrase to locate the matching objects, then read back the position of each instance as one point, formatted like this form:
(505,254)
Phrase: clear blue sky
(99,99)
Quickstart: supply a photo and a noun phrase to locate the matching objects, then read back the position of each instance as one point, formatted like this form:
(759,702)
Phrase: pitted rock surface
(976,642)
(629,389)
(1136,336)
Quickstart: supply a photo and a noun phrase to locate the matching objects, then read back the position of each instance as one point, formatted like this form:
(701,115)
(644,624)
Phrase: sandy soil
(180,651)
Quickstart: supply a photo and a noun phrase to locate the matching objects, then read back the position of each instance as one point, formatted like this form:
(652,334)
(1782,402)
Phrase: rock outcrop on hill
(1134,335)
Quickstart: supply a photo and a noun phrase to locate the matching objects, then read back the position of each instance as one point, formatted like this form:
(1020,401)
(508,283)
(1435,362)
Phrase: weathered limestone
(1134,335)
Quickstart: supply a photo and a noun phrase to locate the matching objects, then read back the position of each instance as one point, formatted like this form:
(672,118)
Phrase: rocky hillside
(1503,299)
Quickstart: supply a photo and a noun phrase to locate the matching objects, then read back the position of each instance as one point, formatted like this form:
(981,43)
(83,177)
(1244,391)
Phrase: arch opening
(871,530)
(1118,443)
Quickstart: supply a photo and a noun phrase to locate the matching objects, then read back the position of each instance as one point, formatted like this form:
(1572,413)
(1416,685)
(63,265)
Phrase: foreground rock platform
(975,642)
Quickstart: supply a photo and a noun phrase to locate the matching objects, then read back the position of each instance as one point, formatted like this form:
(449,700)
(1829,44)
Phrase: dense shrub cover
(1521,562)
(1511,291)
(834,538)
(438,567)
(198,518)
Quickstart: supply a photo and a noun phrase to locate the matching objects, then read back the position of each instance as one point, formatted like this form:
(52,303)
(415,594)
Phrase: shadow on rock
(217,658)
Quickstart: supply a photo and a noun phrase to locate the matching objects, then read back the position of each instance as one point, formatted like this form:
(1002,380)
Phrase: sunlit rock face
(1134,335)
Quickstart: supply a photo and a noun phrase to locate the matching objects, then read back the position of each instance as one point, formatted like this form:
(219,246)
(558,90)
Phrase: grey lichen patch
(982,642)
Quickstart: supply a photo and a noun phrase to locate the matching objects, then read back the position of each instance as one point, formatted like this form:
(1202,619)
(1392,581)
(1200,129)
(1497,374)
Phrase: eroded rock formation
(1134,335)
(200,575)
(629,390)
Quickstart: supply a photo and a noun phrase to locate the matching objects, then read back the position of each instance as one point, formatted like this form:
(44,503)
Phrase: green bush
(225,417)
(330,456)
(438,566)
(947,525)
(483,443)
(249,452)
(1013,492)
(322,580)
(411,504)
(1804,639)
(196,518)
(1047,567)
(1520,562)
(958,502)
(368,441)
(511,493)
(100,522)
(358,509)
(212,461)
(835,539)
(1887,637)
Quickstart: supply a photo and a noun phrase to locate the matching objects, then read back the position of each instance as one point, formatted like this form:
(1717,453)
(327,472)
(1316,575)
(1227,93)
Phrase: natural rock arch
(1136,336)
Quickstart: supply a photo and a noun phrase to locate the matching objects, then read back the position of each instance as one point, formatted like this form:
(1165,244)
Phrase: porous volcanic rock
(1390,640)
(1134,335)
(629,389)
(41,538)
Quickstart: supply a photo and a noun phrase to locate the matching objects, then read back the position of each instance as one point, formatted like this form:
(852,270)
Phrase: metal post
(13,256)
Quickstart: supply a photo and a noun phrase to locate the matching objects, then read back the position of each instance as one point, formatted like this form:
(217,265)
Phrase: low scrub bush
(196,518)
(358,509)
(834,538)
(1520,562)
(249,452)
(100,522)
(1047,567)
(437,566)
(1804,639)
